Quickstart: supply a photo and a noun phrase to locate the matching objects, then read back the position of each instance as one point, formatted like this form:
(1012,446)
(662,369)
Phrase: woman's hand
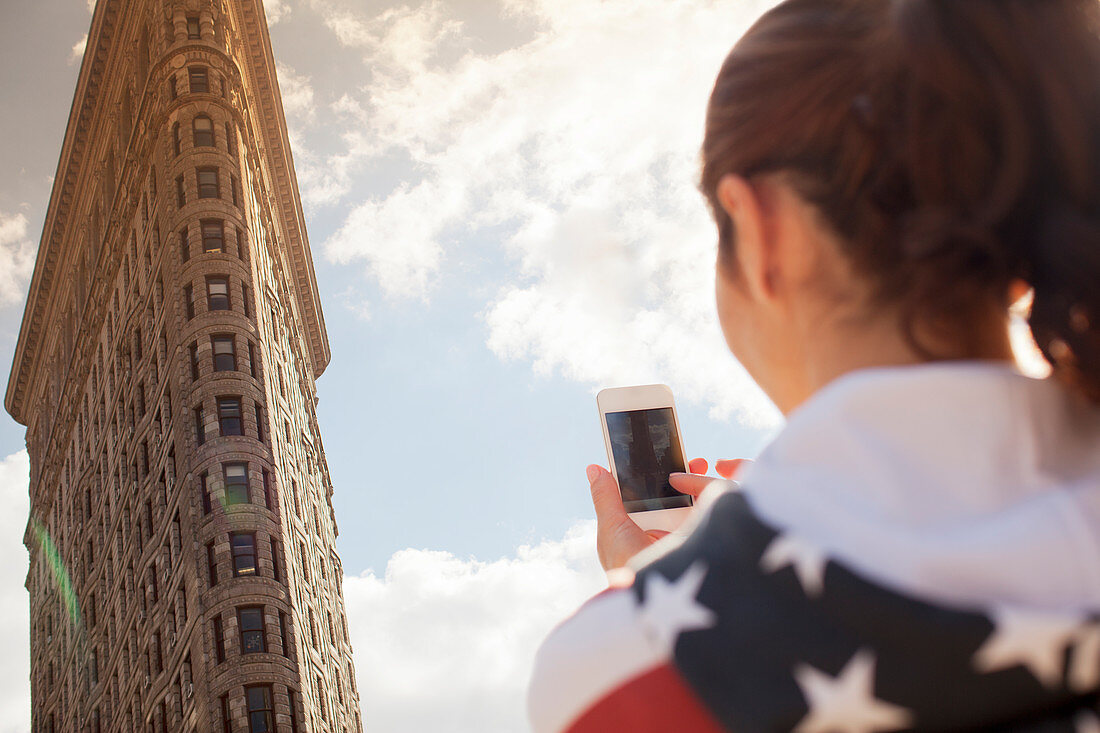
(618,538)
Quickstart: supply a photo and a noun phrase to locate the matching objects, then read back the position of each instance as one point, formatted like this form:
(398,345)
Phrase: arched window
(203,130)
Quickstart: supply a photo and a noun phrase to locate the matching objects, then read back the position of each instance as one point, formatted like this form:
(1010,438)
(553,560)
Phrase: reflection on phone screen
(646,449)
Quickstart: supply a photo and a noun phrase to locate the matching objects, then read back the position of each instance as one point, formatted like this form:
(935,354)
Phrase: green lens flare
(59,571)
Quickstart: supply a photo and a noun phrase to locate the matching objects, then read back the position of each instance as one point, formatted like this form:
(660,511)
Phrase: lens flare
(59,572)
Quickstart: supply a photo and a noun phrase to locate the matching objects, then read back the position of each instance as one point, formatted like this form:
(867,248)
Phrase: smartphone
(642,436)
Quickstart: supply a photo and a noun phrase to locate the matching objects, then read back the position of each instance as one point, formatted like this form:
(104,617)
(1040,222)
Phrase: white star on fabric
(808,561)
(1034,639)
(1084,669)
(847,702)
(670,608)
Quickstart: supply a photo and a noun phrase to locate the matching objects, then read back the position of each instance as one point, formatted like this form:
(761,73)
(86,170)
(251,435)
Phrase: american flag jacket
(807,603)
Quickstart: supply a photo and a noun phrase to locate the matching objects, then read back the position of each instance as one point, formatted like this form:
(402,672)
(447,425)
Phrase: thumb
(605,495)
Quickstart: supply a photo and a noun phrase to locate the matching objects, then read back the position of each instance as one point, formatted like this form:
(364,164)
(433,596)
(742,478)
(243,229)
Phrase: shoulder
(745,626)
(610,665)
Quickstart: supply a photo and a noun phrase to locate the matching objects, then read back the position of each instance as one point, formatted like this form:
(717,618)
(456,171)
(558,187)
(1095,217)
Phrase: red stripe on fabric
(658,701)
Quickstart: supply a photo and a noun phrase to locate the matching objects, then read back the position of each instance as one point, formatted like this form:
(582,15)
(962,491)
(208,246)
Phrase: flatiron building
(183,575)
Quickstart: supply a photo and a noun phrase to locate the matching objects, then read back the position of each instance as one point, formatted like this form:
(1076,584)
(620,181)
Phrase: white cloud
(297,93)
(443,643)
(17,253)
(578,147)
(15,692)
(355,303)
(276,10)
(78,50)
(322,180)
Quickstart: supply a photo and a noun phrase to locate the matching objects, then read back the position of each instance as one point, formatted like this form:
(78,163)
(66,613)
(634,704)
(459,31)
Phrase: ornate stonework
(183,572)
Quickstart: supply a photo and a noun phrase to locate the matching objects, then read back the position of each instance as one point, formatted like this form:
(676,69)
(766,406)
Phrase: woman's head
(946,150)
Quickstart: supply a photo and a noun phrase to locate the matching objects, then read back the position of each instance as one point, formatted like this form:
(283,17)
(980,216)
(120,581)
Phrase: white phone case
(644,397)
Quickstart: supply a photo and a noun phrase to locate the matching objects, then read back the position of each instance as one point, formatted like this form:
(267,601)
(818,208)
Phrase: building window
(229,416)
(253,367)
(173,90)
(227,718)
(213,235)
(242,245)
(208,182)
(275,572)
(189,300)
(197,80)
(225,355)
(243,545)
(185,247)
(230,142)
(261,712)
(236,483)
(293,709)
(200,429)
(176,138)
(202,132)
(212,563)
(219,640)
(251,622)
(283,635)
(217,293)
(193,32)
(305,567)
(204,487)
(260,437)
(181,194)
(244,300)
(194,349)
(233,190)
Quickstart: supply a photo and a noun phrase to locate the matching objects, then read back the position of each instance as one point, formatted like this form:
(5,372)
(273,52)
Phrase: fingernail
(677,473)
(593,472)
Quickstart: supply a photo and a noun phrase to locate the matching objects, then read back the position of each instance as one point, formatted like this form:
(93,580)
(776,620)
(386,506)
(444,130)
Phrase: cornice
(279,159)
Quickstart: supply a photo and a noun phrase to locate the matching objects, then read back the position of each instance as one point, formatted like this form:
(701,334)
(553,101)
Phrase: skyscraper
(183,575)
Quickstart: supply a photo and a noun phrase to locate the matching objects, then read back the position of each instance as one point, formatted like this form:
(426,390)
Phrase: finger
(605,495)
(727,467)
(690,483)
(697,465)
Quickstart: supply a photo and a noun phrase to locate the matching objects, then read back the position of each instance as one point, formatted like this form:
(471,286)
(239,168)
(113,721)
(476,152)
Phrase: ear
(752,248)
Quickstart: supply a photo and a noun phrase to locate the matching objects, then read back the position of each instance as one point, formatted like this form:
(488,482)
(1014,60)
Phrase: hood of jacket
(968,483)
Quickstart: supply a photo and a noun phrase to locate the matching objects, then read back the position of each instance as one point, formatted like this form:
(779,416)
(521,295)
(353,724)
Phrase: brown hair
(953,145)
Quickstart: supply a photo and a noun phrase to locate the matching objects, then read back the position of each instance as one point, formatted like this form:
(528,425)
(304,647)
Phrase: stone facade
(183,575)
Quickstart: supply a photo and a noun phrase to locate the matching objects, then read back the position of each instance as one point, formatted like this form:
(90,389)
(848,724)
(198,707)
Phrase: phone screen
(646,449)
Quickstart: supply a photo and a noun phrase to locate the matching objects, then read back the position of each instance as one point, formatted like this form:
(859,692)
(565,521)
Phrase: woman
(920,547)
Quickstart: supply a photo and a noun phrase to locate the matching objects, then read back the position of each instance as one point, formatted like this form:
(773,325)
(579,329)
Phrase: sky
(501,201)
